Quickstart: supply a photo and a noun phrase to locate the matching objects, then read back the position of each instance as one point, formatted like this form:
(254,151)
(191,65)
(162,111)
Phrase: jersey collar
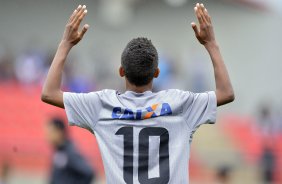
(134,94)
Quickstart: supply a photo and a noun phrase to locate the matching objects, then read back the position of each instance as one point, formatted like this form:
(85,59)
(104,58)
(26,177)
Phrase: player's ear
(121,71)
(157,73)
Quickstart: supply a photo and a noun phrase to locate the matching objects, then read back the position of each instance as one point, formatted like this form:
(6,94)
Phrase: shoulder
(182,93)
(176,97)
(100,92)
(185,97)
(89,95)
(71,149)
(69,146)
(175,93)
(107,92)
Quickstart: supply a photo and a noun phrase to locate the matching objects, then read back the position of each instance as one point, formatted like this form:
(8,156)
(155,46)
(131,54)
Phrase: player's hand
(204,32)
(72,34)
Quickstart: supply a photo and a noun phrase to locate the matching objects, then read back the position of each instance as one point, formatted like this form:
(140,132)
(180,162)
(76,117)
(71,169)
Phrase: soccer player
(143,137)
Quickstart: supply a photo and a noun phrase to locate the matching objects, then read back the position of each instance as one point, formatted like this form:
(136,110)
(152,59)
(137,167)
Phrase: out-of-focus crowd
(30,68)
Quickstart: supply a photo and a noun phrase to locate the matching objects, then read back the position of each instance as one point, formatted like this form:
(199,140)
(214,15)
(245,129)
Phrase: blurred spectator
(6,65)
(198,74)
(4,172)
(269,128)
(68,164)
(268,162)
(29,67)
(267,121)
(73,79)
(223,175)
(166,78)
(78,84)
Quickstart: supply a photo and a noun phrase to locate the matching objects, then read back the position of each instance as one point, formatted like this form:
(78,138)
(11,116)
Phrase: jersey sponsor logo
(153,111)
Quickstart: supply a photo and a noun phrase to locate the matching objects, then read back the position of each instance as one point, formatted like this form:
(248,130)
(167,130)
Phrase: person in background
(68,165)
(268,165)
(4,173)
(269,128)
(223,175)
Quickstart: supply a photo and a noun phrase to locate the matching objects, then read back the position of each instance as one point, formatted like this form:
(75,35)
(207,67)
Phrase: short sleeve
(82,109)
(200,109)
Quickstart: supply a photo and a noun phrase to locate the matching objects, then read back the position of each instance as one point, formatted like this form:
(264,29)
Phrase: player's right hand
(72,34)
(204,32)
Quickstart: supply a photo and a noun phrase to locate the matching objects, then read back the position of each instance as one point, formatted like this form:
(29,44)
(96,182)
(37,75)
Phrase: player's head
(56,131)
(139,62)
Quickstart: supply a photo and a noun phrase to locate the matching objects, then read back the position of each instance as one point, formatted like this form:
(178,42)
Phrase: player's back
(143,137)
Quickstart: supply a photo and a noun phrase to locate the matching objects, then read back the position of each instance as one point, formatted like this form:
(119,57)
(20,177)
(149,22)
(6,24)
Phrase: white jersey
(144,138)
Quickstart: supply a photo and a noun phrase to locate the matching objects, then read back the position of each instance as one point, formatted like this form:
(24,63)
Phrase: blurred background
(244,147)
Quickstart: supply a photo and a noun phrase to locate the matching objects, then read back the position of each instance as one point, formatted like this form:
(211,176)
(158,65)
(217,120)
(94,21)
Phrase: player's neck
(138,89)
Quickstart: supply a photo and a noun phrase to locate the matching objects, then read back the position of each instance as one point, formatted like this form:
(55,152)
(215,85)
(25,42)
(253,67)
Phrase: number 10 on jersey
(143,155)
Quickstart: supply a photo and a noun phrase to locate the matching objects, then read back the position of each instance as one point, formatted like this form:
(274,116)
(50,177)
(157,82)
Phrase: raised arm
(51,92)
(205,34)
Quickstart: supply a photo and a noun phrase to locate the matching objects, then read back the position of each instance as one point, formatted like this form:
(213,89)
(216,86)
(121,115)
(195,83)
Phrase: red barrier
(22,139)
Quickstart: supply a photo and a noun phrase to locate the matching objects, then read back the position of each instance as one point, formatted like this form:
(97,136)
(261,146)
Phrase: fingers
(78,13)
(84,29)
(202,14)
(198,14)
(208,18)
(74,13)
(205,13)
(79,16)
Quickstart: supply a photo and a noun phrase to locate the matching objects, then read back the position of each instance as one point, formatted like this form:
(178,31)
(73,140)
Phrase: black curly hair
(58,124)
(139,61)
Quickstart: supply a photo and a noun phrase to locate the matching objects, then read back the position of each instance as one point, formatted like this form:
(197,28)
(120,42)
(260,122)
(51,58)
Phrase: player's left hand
(72,34)
(204,32)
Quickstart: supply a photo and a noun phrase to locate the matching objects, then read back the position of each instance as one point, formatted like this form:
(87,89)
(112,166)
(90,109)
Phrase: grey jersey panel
(154,130)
